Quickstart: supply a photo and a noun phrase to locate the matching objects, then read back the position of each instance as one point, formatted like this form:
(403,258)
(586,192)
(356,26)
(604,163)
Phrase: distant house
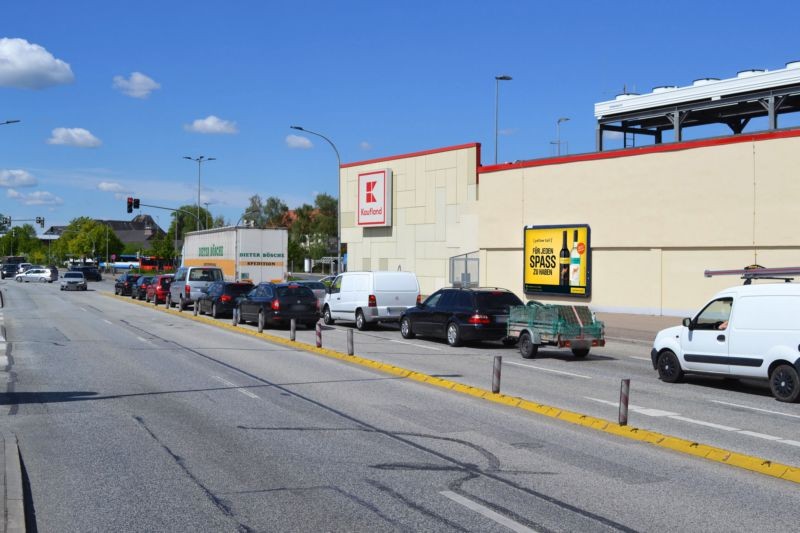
(137,232)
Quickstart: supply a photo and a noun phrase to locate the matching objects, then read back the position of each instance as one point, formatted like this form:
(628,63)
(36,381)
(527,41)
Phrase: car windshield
(205,275)
(297,291)
(77,275)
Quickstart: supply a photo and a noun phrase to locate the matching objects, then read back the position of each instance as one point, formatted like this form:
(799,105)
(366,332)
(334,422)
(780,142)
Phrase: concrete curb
(696,449)
(14,503)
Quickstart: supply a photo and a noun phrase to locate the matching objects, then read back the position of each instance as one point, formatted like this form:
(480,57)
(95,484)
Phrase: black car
(139,289)
(219,298)
(460,315)
(9,270)
(277,303)
(124,284)
(89,272)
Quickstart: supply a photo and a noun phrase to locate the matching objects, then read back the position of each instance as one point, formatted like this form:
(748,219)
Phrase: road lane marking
(790,442)
(708,424)
(759,435)
(550,370)
(243,391)
(755,409)
(82,309)
(107,321)
(417,345)
(142,339)
(635,408)
(488,513)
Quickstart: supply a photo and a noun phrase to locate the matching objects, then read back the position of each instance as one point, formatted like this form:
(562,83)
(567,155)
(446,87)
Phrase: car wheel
(260,321)
(453,334)
(669,368)
(326,316)
(214,313)
(19,280)
(785,383)
(527,348)
(405,328)
(361,322)
(43,280)
(580,352)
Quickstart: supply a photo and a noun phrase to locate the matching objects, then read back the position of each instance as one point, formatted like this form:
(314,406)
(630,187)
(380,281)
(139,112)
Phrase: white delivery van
(749,331)
(369,297)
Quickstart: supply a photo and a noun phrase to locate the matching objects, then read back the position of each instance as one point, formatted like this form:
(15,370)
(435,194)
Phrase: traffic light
(40,221)
(130,204)
(136,203)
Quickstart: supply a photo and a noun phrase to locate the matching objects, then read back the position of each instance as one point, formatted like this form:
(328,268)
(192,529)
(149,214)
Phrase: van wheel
(453,334)
(526,346)
(580,352)
(405,328)
(361,322)
(784,383)
(669,368)
(326,316)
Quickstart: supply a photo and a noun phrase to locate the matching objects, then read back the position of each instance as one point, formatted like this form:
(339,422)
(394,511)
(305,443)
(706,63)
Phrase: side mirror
(687,323)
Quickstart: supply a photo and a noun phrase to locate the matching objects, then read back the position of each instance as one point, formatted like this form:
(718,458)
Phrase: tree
(20,240)
(186,219)
(163,246)
(275,212)
(255,212)
(86,238)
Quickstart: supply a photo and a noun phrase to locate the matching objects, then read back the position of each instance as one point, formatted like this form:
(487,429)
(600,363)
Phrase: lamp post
(200,160)
(338,196)
(558,132)
(8,122)
(497,80)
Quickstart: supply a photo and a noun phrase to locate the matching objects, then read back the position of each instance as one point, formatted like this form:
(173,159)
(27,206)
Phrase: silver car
(73,281)
(34,274)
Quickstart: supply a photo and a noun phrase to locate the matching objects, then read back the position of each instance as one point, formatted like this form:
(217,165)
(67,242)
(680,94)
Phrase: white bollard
(624,392)
(498,362)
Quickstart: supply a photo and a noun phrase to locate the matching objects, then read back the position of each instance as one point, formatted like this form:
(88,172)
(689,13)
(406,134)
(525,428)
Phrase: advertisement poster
(557,260)
(375,198)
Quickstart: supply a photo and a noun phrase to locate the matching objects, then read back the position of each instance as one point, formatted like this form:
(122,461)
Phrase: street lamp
(200,160)
(338,196)
(558,132)
(208,214)
(497,80)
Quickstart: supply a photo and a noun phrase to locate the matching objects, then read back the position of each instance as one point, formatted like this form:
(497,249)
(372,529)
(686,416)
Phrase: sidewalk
(640,329)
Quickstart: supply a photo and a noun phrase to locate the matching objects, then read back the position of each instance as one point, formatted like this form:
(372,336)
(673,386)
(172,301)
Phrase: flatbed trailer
(564,326)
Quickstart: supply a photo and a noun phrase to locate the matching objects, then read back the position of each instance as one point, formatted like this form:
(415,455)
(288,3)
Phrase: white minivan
(369,297)
(749,331)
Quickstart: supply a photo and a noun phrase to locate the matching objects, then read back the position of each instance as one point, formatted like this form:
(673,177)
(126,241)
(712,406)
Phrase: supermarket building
(653,218)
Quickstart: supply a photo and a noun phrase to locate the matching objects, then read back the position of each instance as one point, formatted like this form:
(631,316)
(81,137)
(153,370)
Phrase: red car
(159,288)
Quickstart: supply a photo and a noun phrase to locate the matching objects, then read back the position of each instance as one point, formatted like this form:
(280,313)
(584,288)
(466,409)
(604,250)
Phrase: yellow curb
(676,444)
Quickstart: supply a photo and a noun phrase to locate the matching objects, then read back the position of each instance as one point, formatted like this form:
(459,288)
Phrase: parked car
(8,270)
(370,297)
(22,267)
(749,331)
(124,284)
(34,274)
(460,315)
(73,281)
(158,288)
(318,288)
(53,271)
(139,289)
(219,298)
(188,283)
(276,304)
(91,273)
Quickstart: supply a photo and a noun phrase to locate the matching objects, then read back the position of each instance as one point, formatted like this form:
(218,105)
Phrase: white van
(749,331)
(369,297)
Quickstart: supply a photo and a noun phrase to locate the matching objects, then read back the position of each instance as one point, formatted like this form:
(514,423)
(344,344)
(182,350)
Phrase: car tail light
(478,319)
(419,299)
(276,305)
(188,290)
(225,298)
(372,302)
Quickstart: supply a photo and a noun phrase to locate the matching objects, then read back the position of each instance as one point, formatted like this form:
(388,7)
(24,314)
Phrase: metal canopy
(733,102)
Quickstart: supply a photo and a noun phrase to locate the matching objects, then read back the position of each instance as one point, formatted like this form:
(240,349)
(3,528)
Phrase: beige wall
(657,220)
(433,218)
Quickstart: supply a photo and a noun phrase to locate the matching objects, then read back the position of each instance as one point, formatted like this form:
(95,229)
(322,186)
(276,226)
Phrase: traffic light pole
(134,202)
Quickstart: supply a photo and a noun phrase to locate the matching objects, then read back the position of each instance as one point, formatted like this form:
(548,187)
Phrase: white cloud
(16,178)
(507,131)
(212,124)
(364,145)
(35,198)
(137,85)
(296,141)
(74,137)
(29,66)
(111,186)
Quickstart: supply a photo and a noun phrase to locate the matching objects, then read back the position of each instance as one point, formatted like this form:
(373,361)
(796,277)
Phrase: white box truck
(243,254)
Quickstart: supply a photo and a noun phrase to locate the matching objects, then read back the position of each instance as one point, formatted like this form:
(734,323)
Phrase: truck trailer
(243,254)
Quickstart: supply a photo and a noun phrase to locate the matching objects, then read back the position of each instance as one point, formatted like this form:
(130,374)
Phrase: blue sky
(227,79)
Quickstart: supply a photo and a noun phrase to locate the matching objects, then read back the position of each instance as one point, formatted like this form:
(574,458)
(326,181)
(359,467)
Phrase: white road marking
(755,409)
(82,309)
(106,321)
(550,370)
(142,339)
(417,345)
(790,442)
(708,424)
(635,408)
(640,358)
(243,391)
(759,435)
(488,513)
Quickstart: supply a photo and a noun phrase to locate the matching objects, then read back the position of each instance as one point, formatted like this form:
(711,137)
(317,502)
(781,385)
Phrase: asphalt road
(131,419)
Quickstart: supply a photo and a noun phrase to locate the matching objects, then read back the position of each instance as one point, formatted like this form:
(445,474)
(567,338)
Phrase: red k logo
(370,194)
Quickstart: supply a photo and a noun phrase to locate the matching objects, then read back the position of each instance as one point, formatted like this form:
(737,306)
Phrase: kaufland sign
(375,198)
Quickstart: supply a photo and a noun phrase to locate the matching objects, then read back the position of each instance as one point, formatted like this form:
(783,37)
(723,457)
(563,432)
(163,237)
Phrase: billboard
(557,260)
(375,198)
